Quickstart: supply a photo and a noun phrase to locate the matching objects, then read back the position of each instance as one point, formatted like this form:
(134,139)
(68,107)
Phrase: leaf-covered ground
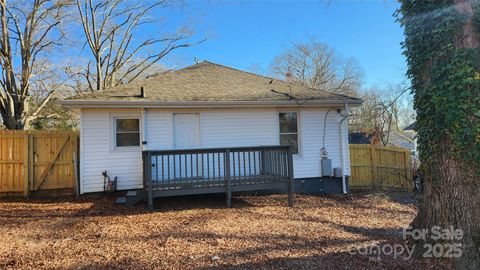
(200,233)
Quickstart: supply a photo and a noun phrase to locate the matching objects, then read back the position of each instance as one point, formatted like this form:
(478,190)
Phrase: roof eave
(201,104)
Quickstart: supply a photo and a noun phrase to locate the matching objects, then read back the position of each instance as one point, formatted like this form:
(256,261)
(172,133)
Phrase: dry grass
(198,232)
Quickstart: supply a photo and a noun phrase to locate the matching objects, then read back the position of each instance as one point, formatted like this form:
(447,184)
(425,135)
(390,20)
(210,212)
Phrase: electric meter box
(326,167)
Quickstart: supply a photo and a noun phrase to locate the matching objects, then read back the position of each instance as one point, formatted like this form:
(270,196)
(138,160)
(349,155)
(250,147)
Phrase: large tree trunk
(27,31)
(451,199)
(452,185)
(13,108)
(14,119)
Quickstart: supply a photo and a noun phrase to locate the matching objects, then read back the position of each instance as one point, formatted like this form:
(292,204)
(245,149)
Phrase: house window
(127,132)
(289,130)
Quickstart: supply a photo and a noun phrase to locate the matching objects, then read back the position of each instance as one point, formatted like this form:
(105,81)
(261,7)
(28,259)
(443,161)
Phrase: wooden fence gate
(383,167)
(37,161)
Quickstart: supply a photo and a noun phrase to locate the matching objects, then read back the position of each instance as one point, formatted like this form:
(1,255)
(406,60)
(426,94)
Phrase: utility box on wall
(337,172)
(326,167)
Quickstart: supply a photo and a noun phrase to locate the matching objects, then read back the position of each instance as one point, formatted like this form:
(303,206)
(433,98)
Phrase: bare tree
(381,113)
(318,66)
(111,30)
(53,115)
(29,31)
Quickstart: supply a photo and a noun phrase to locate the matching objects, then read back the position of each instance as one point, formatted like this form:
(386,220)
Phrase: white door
(186,136)
(185,130)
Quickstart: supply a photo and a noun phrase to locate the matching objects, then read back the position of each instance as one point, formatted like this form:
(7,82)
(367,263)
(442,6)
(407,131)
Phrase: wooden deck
(217,170)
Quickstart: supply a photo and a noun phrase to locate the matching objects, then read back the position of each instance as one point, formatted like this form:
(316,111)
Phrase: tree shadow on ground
(244,249)
(401,197)
(351,259)
(21,211)
(98,205)
(339,260)
(17,212)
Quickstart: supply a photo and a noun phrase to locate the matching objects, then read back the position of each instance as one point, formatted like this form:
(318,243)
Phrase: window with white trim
(127,132)
(289,130)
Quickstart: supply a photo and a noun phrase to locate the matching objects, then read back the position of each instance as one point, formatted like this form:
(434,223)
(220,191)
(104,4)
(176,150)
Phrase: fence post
(31,160)
(372,158)
(74,142)
(26,164)
(291,183)
(227,178)
(408,170)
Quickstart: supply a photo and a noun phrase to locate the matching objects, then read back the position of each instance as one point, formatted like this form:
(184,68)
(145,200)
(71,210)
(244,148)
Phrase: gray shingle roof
(209,82)
(412,126)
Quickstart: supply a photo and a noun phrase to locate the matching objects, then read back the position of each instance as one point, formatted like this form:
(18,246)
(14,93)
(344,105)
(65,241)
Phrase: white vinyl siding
(311,131)
(217,128)
(230,128)
(98,152)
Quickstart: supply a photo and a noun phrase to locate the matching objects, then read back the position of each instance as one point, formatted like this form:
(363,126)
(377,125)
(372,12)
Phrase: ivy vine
(476,14)
(445,80)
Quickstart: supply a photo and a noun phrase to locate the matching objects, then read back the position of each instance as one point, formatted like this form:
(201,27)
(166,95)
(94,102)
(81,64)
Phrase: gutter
(342,158)
(200,104)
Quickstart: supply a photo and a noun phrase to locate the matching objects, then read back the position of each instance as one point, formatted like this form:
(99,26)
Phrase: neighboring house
(359,138)
(209,106)
(411,127)
(395,138)
(400,140)
(410,133)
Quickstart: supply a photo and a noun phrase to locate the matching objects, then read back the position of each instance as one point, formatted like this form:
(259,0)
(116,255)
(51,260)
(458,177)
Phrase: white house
(207,106)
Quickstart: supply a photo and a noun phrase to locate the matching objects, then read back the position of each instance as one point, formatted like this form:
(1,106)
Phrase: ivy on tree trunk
(442,48)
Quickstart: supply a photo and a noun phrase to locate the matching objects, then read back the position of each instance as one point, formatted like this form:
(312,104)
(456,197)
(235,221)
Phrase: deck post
(148,177)
(262,161)
(291,182)
(227,178)
(144,180)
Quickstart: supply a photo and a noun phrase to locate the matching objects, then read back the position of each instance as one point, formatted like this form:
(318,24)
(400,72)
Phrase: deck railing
(215,169)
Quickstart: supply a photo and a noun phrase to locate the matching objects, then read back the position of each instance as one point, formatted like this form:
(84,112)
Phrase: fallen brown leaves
(199,232)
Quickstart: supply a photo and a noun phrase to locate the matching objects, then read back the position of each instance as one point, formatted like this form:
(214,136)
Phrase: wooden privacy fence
(34,161)
(382,167)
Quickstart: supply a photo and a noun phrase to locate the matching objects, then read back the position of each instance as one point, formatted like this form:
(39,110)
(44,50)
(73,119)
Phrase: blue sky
(248,35)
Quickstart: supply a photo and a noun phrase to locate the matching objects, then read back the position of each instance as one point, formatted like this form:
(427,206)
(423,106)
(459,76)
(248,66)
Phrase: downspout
(143,94)
(342,139)
(144,128)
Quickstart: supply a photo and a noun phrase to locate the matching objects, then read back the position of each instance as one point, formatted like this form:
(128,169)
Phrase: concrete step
(121,200)
(131,193)
(134,197)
